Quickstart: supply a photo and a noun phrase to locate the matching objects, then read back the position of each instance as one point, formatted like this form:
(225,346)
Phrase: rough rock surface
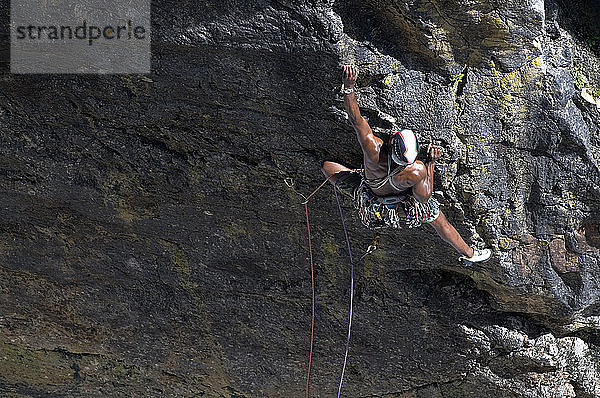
(150,247)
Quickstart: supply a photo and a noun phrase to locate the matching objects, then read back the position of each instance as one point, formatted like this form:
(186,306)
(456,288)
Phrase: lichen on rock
(149,245)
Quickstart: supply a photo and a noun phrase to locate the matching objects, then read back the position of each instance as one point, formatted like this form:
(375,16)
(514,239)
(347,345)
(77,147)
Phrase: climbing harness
(381,212)
(290,183)
(375,212)
(377,183)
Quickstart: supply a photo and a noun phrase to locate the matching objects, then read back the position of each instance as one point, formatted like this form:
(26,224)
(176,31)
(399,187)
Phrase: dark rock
(149,245)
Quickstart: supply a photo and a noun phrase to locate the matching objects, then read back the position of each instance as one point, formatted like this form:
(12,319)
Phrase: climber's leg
(449,234)
(346,180)
(331,168)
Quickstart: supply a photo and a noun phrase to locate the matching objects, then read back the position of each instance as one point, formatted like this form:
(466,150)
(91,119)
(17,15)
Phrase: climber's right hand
(349,75)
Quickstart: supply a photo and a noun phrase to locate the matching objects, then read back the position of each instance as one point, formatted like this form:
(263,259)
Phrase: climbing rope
(312,278)
(290,183)
(351,287)
(370,250)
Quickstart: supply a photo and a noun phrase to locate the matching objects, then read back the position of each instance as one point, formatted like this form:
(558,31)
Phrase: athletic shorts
(348,182)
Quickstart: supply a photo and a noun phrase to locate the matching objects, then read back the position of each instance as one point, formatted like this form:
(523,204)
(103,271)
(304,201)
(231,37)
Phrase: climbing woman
(394,182)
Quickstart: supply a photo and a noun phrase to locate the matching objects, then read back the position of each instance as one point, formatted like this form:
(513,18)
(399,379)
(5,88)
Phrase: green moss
(127,196)
(63,372)
(512,87)
(181,265)
(294,235)
(129,373)
(368,268)
(329,247)
(34,367)
(235,229)
(139,85)
(391,80)
(180,260)
(515,81)
(454,390)
(331,261)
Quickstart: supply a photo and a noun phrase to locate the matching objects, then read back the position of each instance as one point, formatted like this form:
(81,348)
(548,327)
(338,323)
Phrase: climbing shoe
(479,256)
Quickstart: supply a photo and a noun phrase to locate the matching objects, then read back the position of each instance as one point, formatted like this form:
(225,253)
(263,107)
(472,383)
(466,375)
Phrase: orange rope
(312,276)
(319,187)
(290,184)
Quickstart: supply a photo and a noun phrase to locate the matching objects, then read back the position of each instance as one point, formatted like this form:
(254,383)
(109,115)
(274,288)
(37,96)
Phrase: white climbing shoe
(479,256)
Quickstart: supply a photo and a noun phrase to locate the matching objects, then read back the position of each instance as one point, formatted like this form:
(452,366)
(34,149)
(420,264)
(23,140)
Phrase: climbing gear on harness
(418,213)
(404,147)
(377,212)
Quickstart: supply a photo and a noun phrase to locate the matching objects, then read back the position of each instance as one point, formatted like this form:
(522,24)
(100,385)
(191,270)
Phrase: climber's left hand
(434,152)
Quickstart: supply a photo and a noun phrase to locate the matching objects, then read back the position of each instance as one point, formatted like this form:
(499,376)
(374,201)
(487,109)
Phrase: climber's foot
(479,256)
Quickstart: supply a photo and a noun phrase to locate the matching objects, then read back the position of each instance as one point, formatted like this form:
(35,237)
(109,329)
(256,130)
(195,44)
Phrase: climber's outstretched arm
(368,142)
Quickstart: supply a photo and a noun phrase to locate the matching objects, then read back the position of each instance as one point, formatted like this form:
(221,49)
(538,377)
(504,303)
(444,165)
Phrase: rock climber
(394,182)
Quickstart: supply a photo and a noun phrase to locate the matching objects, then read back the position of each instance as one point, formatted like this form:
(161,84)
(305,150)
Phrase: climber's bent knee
(330,168)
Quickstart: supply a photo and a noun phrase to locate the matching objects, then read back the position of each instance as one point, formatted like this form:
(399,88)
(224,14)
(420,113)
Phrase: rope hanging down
(289,182)
(312,278)
(351,287)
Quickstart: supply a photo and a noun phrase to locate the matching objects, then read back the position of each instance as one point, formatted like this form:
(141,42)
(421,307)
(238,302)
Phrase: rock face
(149,245)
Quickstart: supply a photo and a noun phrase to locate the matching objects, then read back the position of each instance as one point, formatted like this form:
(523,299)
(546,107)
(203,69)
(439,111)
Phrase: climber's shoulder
(413,173)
